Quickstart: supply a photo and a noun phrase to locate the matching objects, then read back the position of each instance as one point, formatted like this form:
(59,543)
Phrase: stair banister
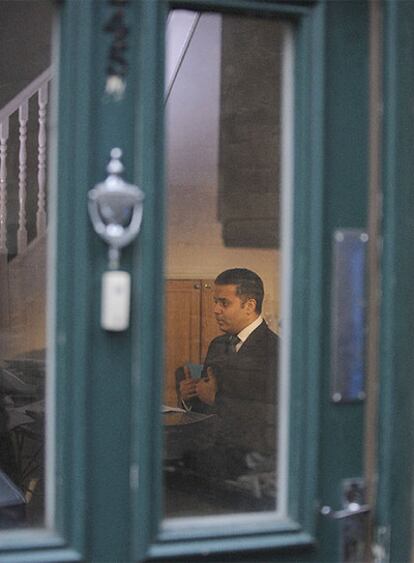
(20,103)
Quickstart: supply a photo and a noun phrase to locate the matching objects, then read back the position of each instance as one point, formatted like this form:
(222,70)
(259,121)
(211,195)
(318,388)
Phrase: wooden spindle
(22,231)
(41,171)
(4,136)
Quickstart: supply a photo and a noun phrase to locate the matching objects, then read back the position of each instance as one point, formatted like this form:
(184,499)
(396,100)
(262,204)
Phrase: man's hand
(206,388)
(187,386)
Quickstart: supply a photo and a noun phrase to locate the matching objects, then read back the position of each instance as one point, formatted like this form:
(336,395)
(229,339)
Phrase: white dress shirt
(246,332)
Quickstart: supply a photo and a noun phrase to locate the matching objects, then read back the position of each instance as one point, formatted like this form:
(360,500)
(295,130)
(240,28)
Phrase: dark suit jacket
(246,397)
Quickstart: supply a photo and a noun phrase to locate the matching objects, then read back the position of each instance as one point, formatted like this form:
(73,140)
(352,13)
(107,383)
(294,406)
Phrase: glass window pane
(224,96)
(25,59)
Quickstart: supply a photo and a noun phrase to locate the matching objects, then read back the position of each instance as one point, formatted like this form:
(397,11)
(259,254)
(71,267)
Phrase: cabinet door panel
(209,328)
(182,322)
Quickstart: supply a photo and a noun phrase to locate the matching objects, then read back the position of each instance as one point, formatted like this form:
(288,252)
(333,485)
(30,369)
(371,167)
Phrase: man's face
(232,314)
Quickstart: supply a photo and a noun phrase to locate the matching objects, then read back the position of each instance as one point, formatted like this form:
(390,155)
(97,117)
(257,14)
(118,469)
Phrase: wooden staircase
(23,257)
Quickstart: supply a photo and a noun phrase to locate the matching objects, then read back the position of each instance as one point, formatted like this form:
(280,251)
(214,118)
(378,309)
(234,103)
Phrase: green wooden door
(107,443)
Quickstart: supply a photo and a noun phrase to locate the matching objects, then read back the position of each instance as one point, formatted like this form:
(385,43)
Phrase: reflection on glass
(223,104)
(25,37)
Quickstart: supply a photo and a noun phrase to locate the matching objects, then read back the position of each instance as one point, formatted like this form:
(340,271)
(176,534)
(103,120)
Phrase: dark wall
(249,153)
(25,39)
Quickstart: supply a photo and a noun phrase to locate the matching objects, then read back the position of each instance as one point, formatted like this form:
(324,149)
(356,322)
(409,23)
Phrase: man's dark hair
(249,284)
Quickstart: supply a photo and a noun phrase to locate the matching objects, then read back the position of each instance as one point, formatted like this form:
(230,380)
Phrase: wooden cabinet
(189,327)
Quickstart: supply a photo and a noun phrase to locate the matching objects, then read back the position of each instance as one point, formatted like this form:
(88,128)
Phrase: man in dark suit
(239,378)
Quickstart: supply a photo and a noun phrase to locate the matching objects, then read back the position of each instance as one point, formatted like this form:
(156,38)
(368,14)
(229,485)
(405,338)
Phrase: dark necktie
(232,343)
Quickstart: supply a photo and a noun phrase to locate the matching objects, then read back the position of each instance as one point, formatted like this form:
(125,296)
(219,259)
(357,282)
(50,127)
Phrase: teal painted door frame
(396,416)
(108,386)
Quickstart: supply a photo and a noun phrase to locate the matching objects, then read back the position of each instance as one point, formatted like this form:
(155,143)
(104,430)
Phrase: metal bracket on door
(354,521)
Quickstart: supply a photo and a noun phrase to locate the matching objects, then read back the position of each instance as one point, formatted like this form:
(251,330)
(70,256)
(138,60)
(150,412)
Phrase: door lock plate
(354,521)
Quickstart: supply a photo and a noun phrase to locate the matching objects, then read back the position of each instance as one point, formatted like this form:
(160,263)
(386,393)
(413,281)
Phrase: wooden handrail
(25,94)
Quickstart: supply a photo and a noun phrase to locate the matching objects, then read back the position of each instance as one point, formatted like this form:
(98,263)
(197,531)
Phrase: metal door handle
(352,522)
(353,509)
